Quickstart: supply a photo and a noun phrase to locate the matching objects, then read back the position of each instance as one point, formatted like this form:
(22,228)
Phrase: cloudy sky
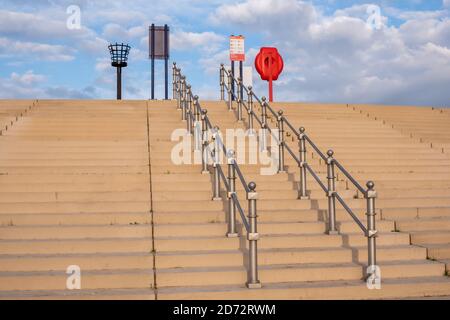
(334,51)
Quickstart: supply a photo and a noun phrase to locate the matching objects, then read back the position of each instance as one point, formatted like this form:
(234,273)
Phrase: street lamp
(119,59)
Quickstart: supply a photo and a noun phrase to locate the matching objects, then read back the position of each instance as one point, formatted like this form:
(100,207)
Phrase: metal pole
(196,112)
(232,84)
(281,142)
(182,92)
(371,195)
(222,82)
(153,61)
(189,98)
(230,92)
(250,109)
(253,237)
(302,194)
(204,143)
(216,164)
(231,205)
(185,105)
(178,86)
(241,75)
(264,124)
(196,108)
(188,122)
(119,83)
(166,61)
(179,90)
(331,178)
(239,97)
(174,74)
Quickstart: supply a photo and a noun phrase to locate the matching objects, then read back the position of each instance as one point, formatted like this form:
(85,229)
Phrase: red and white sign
(237,49)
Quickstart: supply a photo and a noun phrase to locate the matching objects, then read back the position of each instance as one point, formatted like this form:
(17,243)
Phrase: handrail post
(187,103)
(253,237)
(189,98)
(331,178)
(204,143)
(195,125)
(189,120)
(231,205)
(222,82)
(230,94)
(250,109)
(302,193)
(372,233)
(281,142)
(264,124)
(216,189)
(174,74)
(178,89)
(182,92)
(197,109)
(239,99)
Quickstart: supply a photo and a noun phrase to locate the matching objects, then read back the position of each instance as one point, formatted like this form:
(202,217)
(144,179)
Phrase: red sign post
(269,65)
(237,54)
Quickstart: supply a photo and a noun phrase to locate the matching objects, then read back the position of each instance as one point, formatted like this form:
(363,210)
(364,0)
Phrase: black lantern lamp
(119,59)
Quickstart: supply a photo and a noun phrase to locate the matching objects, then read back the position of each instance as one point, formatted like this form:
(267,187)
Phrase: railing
(303,139)
(199,126)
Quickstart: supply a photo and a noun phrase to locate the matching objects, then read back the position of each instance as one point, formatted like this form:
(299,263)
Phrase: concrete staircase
(93,184)
(75,190)
(429,130)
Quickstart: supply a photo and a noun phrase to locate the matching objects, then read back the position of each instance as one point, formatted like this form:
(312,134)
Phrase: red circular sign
(269,63)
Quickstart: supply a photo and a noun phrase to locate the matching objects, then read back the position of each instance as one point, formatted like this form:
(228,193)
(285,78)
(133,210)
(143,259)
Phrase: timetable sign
(237,49)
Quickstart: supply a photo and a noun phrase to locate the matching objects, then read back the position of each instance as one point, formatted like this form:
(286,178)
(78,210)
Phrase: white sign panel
(247,77)
(237,49)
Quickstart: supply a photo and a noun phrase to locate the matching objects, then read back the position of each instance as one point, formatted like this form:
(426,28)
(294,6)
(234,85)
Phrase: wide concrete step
(98,294)
(46,197)
(73,178)
(319,290)
(23,188)
(48,246)
(140,169)
(178,243)
(58,262)
(432,224)
(274,227)
(414,213)
(196,277)
(73,207)
(275,256)
(93,218)
(430,237)
(95,279)
(75,232)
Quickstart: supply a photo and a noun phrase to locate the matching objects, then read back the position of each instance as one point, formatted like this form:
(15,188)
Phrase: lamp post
(119,59)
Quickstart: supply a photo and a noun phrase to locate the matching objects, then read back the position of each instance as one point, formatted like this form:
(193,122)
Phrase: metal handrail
(303,139)
(349,176)
(193,114)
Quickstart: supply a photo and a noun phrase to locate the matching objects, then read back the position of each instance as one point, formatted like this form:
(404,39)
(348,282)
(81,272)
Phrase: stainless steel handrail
(193,114)
(330,190)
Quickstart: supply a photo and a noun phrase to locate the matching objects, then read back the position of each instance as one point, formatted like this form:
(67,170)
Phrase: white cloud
(204,41)
(27,79)
(338,58)
(30,85)
(35,51)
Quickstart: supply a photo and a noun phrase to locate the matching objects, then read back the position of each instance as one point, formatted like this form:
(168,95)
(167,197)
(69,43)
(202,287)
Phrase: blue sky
(331,53)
